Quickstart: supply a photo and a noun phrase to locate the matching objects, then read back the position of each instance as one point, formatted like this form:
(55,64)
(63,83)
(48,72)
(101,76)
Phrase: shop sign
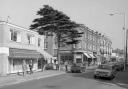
(78,56)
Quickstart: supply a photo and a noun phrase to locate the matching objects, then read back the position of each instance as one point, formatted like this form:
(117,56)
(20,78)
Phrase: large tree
(56,22)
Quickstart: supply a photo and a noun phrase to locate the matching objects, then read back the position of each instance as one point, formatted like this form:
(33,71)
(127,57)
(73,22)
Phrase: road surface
(69,81)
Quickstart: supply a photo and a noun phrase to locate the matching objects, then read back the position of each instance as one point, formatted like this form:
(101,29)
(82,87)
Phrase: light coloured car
(105,70)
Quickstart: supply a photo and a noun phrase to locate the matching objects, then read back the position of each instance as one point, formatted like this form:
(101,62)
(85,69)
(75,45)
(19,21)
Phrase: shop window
(78,60)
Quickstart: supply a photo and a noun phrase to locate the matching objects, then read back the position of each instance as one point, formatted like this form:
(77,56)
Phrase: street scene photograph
(63,44)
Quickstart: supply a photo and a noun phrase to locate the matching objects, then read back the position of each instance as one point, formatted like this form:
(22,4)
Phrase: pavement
(18,78)
(14,78)
(122,79)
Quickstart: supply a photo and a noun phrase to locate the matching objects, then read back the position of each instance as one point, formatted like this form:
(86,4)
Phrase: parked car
(105,70)
(119,65)
(77,68)
(49,66)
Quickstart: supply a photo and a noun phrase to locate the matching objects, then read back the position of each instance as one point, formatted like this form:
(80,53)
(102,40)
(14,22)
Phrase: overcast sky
(92,13)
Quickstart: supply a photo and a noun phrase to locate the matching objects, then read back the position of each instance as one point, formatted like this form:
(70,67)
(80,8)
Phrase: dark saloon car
(77,68)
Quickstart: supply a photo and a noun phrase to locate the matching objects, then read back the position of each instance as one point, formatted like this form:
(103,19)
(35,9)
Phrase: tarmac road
(70,81)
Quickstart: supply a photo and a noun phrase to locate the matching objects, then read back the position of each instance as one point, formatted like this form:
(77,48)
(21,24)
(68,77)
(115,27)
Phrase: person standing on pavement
(66,65)
(57,65)
(30,67)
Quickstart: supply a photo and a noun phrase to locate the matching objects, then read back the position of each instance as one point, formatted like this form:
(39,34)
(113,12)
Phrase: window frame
(14,34)
(39,42)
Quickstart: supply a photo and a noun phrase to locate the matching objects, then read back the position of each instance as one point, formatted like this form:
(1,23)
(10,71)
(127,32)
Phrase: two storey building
(18,44)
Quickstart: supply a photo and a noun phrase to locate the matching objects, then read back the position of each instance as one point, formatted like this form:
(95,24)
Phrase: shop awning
(87,55)
(95,56)
(23,53)
(46,55)
(92,55)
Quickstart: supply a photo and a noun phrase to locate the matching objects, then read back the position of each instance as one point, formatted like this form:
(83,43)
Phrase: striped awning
(23,53)
(92,55)
(88,56)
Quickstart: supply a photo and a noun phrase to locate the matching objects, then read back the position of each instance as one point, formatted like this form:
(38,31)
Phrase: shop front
(17,56)
(93,58)
(81,57)
(87,58)
(66,57)
(78,58)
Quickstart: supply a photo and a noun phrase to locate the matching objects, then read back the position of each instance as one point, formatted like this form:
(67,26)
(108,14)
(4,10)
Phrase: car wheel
(78,71)
(122,68)
(81,71)
(111,77)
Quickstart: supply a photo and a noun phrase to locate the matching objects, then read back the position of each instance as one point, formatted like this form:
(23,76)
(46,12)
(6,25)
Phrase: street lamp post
(125,37)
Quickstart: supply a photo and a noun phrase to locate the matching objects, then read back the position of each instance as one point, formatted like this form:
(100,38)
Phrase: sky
(92,13)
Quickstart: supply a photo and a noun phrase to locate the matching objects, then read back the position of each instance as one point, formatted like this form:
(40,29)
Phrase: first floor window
(31,39)
(45,44)
(15,36)
(39,41)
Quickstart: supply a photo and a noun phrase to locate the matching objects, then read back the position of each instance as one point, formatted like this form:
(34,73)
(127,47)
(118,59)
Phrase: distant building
(18,44)
(105,47)
(50,46)
(93,46)
(117,54)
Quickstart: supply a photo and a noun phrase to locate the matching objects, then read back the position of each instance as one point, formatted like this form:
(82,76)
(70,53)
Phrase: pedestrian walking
(83,66)
(66,65)
(45,64)
(30,67)
(57,65)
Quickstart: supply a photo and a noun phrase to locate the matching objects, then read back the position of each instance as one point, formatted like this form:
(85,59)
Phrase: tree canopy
(56,22)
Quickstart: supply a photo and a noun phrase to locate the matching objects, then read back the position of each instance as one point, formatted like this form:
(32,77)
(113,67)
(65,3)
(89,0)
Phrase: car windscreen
(105,67)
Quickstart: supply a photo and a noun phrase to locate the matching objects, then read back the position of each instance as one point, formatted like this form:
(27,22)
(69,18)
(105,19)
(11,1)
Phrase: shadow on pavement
(120,80)
(51,87)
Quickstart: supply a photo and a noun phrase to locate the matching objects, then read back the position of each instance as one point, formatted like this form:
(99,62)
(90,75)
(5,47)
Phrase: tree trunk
(72,52)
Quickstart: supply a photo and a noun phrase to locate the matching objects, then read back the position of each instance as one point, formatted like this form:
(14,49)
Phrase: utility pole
(125,36)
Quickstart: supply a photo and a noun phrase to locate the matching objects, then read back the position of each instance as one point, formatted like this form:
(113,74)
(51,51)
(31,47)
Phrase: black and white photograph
(63,44)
